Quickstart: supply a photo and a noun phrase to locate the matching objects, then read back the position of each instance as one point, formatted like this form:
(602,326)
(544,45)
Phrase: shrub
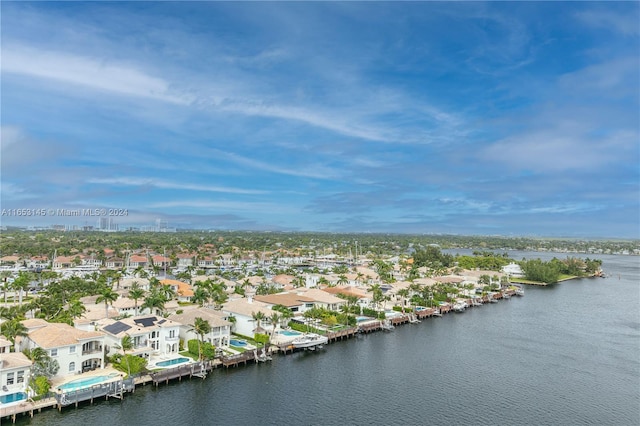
(40,385)
(261,338)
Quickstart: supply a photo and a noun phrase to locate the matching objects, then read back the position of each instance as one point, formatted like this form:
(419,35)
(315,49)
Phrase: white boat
(309,340)
(519,291)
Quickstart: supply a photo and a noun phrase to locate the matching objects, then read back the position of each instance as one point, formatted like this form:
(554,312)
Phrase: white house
(243,310)
(15,369)
(150,335)
(513,270)
(220,327)
(75,350)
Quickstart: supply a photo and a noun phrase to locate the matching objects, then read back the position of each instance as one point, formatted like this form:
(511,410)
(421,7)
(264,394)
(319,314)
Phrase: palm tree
(126,344)
(257,318)
(12,329)
(403,293)
(274,319)
(154,300)
(36,354)
(342,279)
(108,296)
(200,296)
(21,284)
(201,327)
(136,293)
(76,308)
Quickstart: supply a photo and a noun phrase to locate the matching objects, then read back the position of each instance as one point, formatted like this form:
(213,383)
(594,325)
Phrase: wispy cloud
(162,184)
(86,71)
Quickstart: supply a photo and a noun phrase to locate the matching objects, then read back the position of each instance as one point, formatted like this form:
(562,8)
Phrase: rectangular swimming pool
(12,397)
(290,333)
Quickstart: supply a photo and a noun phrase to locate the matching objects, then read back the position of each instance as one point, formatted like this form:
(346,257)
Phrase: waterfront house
(207,262)
(243,310)
(9,260)
(295,301)
(15,369)
(150,335)
(114,263)
(220,328)
(75,350)
(323,299)
(138,261)
(185,260)
(160,261)
(61,262)
(513,270)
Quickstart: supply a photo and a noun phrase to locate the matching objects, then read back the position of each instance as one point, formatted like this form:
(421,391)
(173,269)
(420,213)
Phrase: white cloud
(94,73)
(133,181)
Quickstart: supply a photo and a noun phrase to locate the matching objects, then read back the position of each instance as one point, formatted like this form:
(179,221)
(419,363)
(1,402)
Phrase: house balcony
(92,350)
(172,339)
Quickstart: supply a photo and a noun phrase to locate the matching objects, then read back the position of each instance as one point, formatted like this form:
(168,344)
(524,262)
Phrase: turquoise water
(235,342)
(172,362)
(12,397)
(83,383)
(361,319)
(290,333)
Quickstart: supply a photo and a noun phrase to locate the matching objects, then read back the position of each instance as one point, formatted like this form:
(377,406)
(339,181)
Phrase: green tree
(136,293)
(12,329)
(201,327)
(108,296)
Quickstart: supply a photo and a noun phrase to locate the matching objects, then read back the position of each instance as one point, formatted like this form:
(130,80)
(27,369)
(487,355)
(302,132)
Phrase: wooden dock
(347,333)
(370,326)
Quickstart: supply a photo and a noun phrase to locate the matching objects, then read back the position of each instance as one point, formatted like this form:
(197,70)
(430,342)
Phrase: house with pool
(220,333)
(15,370)
(243,310)
(75,350)
(152,336)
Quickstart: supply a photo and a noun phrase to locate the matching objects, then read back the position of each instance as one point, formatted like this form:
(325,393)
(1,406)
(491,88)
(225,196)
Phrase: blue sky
(467,118)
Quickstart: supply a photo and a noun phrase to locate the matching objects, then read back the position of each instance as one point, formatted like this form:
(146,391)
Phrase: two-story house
(15,369)
(220,328)
(75,350)
(150,335)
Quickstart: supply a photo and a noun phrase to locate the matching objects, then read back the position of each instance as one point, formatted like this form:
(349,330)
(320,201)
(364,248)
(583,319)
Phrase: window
(54,352)
(20,376)
(72,349)
(10,378)
(72,367)
(172,333)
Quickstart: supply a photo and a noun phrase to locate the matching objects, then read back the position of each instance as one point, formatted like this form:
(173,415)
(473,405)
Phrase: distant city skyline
(499,118)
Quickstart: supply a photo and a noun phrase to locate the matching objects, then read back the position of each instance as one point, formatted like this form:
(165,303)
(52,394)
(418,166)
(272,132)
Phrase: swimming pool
(171,362)
(86,382)
(290,333)
(361,319)
(236,342)
(12,397)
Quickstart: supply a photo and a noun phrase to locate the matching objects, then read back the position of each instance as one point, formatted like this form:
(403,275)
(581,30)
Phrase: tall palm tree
(154,300)
(201,327)
(108,296)
(403,293)
(274,318)
(21,284)
(136,293)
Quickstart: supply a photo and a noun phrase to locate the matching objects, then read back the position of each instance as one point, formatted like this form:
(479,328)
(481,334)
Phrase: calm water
(567,354)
